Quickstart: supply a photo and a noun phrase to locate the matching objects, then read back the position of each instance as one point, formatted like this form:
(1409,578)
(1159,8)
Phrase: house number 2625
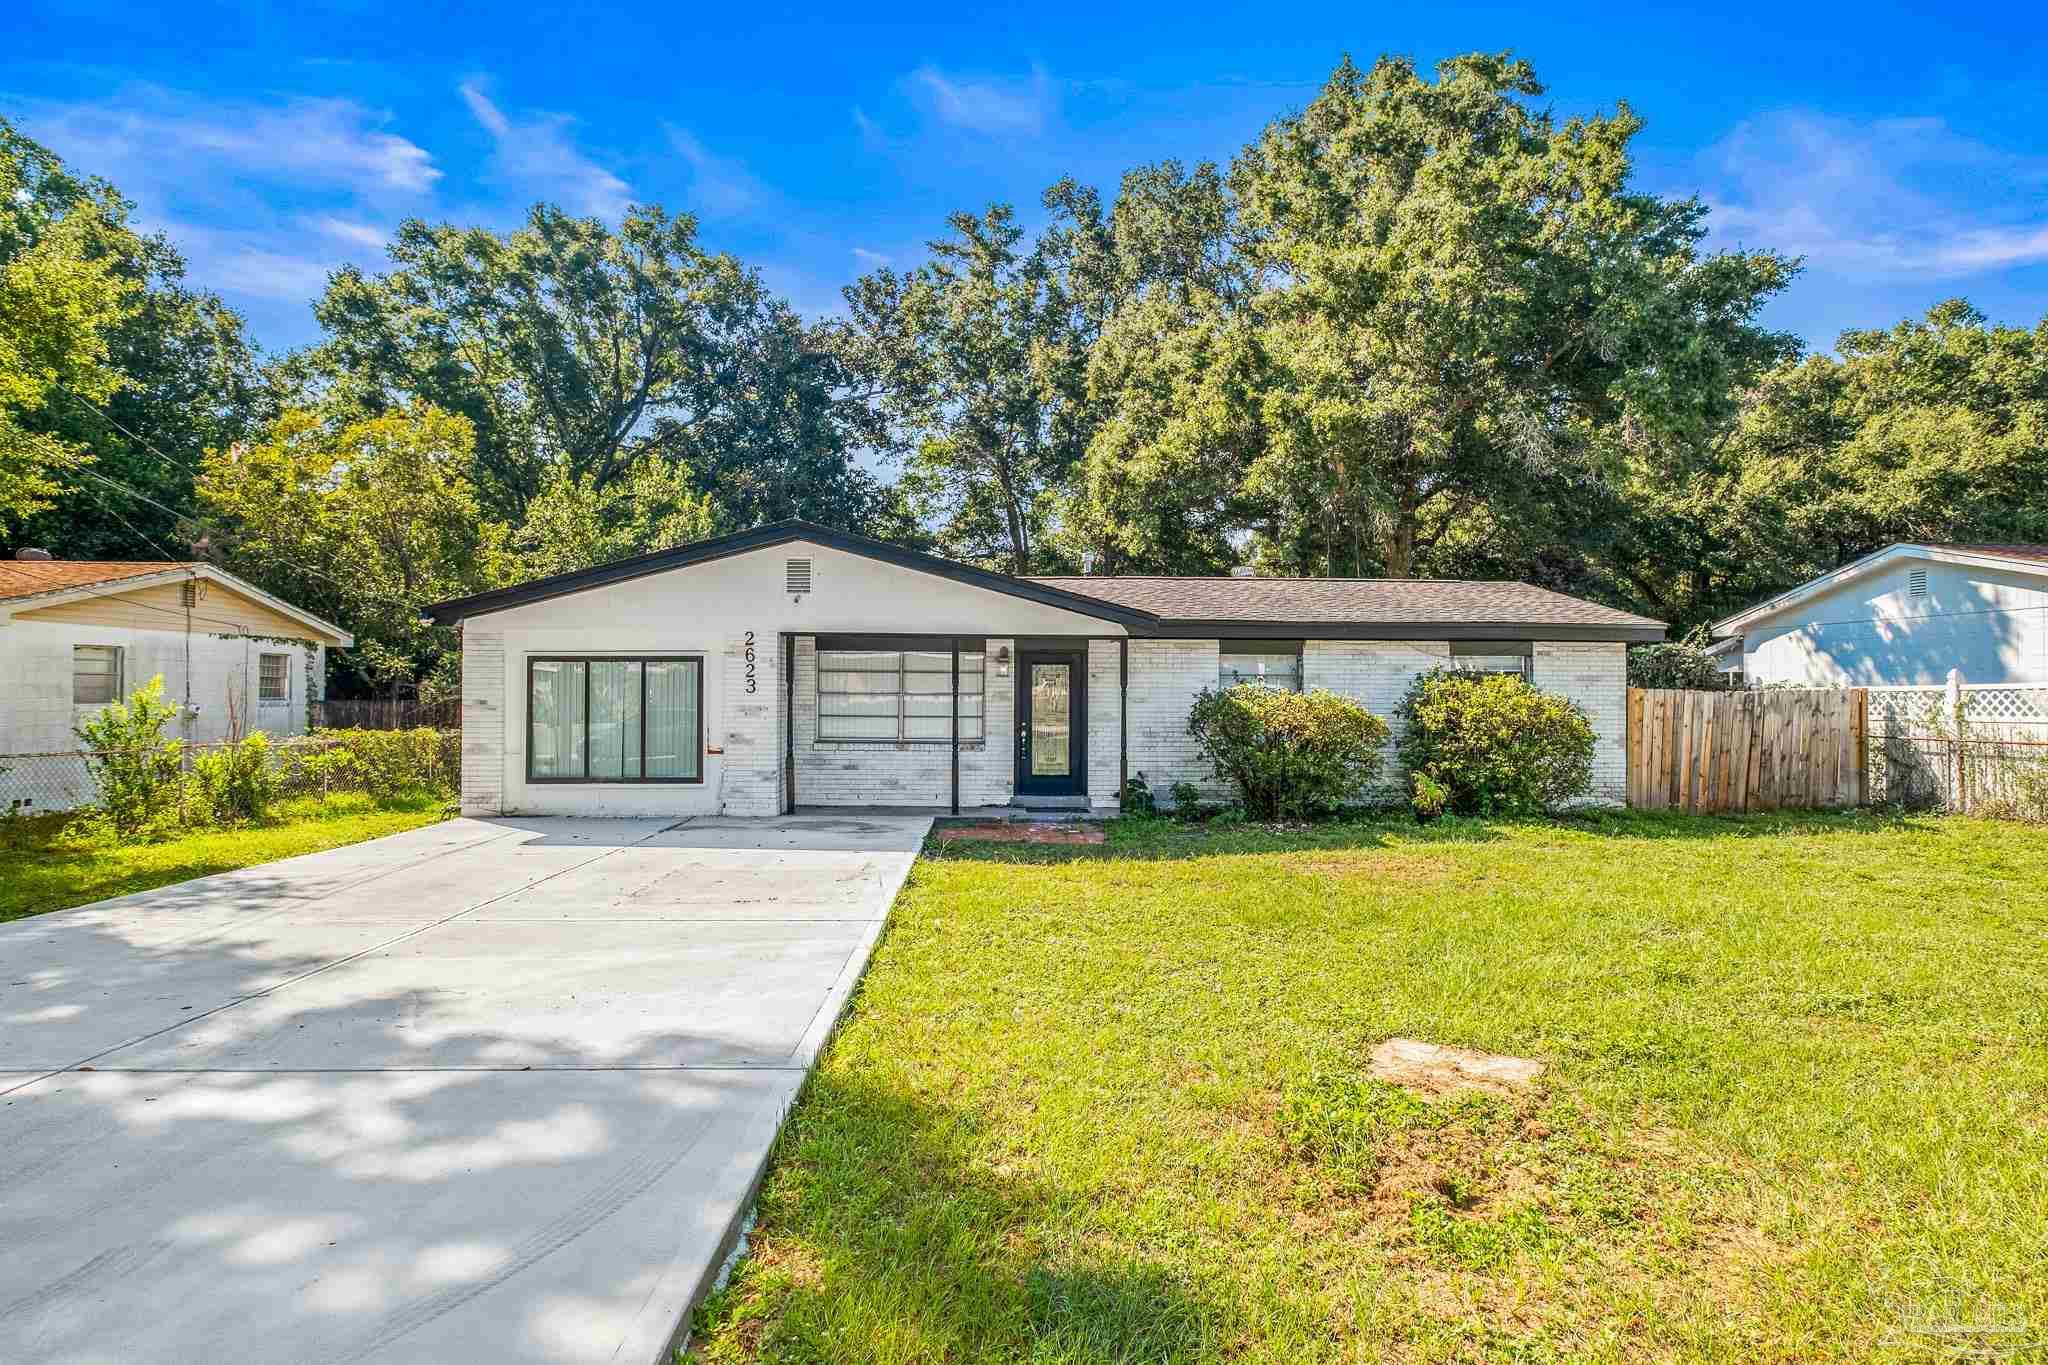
(751,683)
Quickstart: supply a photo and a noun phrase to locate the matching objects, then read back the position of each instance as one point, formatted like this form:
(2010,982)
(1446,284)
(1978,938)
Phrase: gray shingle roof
(1307,601)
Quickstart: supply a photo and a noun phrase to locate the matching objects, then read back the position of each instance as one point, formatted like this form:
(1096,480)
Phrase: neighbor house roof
(1330,608)
(2019,558)
(34,577)
(30,584)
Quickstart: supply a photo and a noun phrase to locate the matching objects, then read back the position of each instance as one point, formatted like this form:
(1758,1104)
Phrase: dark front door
(1052,730)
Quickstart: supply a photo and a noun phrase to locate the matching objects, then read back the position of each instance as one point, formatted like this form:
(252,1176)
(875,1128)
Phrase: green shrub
(384,763)
(1676,663)
(1289,754)
(1429,798)
(236,782)
(136,769)
(1138,798)
(1498,745)
(1186,798)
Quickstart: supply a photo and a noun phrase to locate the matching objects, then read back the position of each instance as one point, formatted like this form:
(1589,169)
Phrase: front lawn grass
(1110,1103)
(43,868)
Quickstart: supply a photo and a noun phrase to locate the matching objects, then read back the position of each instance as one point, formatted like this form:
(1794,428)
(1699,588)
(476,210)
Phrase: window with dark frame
(1266,663)
(898,696)
(1515,657)
(273,677)
(611,718)
(95,674)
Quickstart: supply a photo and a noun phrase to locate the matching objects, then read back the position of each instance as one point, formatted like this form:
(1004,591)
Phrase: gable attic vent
(1916,582)
(797,576)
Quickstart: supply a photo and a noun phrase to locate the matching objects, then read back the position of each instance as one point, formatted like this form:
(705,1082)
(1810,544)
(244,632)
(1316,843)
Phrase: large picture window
(898,695)
(605,719)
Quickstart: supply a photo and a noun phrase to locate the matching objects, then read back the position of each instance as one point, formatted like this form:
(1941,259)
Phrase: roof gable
(48,588)
(767,537)
(2026,559)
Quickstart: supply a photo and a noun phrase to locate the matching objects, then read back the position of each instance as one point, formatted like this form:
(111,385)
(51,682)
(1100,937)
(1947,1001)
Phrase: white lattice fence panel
(1909,710)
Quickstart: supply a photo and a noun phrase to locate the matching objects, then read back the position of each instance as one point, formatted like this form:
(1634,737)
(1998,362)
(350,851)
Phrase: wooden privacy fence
(1725,752)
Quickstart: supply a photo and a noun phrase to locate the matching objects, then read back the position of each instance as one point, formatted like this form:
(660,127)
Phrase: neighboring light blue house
(1905,616)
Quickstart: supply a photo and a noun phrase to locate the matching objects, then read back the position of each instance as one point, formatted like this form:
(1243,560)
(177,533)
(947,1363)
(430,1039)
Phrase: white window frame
(1494,656)
(284,698)
(117,656)
(1258,649)
(973,684)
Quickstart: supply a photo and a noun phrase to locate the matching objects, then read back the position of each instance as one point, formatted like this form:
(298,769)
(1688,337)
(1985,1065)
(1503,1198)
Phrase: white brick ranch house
(792,666)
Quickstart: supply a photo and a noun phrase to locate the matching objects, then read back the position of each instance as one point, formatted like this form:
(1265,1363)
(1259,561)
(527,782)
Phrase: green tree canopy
(362,521)
(1451,296)
(63,293)
(580,351)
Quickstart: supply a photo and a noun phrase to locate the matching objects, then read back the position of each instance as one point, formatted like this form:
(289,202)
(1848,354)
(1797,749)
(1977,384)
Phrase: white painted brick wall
(1165,677)
(483,722)
(841,774)
(1377,675)
(1596,677)
(750,779)
(1104,722)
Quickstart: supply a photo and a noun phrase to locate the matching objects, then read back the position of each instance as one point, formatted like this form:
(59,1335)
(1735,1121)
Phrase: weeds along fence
(381,714)
(382,763)
(1980,750)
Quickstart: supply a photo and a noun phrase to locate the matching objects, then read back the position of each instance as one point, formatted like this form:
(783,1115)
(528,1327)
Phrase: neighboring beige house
(75,635)
(793,666)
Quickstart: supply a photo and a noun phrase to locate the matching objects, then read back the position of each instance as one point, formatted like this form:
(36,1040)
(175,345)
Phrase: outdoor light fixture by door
(1002,661)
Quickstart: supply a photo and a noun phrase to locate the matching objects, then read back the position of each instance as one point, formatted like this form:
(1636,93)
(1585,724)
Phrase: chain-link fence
(1983,751)
(379,762)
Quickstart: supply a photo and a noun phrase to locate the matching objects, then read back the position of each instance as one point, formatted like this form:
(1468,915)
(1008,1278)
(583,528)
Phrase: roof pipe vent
(31,553)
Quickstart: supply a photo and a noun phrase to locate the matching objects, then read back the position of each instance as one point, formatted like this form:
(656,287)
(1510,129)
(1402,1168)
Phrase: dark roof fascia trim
(767,537)
(1403,630)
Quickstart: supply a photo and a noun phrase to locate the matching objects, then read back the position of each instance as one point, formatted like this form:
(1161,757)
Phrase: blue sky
(1903,153)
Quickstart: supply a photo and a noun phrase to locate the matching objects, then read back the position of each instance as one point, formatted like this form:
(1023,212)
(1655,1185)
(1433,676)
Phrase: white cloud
(719,187)
(343,230)
(537,154)
(869,258)
(145,134)
(1884,200)
(989,105)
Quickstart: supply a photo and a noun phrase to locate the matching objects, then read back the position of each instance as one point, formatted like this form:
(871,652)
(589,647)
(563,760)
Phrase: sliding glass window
(615,720)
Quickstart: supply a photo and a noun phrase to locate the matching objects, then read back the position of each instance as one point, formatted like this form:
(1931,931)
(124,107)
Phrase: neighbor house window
(95,674)
(274,677)
(614,719)
(898,695)
(1491,656)
(1270,663)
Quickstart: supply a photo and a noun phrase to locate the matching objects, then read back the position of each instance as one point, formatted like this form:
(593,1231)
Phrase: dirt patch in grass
(1397,868)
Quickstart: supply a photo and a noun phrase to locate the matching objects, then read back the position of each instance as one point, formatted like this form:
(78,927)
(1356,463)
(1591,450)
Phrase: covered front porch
(979,726)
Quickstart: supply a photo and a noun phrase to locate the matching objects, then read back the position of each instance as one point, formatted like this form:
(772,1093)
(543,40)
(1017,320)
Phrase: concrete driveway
(492,1090)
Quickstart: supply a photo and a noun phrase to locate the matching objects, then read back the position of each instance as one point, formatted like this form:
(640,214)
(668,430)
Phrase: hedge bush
(1289,754)
(1498,745)
(381,763)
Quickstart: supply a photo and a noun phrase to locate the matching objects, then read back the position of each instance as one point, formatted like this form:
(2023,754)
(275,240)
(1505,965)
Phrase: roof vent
(1916,583)
(27,553)
(1242,571)
(797,576)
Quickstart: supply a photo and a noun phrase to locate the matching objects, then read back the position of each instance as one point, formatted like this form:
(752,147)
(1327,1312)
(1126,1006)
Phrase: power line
(91,406)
